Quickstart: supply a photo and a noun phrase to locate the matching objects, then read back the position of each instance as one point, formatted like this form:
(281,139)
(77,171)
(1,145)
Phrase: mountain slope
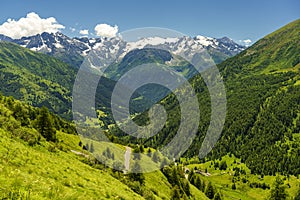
(278,51)
(33,167)
(263,106)
(36,78)
(41,80)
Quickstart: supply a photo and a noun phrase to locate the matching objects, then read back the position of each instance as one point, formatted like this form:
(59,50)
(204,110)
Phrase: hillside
(276,52)
(43,158)
(42,80)
(263,107)
(35,78)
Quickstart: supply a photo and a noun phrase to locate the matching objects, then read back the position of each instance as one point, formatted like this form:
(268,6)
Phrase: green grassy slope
(248,186)
(38,173)
(33,167)
(35,78)
(263,107)
(278,51)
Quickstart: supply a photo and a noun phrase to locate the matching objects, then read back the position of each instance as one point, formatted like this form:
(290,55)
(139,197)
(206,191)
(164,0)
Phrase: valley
(43,157)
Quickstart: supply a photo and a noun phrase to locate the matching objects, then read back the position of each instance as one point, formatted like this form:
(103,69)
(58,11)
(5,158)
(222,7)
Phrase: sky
(242,21)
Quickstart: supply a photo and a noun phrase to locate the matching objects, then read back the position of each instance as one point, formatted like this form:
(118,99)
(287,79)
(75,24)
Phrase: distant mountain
(73,50)
(41,80)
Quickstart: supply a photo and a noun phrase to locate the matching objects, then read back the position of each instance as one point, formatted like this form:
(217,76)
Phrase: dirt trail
(127,158)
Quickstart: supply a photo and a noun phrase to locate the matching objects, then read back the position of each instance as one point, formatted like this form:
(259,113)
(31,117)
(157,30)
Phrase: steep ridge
(74,50)
(263,106)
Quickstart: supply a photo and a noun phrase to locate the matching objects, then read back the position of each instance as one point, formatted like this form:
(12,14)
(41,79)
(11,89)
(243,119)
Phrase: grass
(40,174)
(222,179)
(52,171)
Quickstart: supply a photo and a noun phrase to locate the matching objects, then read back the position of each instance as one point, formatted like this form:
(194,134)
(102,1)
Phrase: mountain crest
(73,50)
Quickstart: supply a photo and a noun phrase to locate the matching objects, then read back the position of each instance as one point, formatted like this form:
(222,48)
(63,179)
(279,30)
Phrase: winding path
(127,158)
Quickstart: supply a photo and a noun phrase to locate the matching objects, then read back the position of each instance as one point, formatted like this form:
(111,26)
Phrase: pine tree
(186,188)
(233,186)
(209,191)
(142,148)
(223,165)
(192,177)
(45,125)
(175,193)
(155,157)
(278,192)
(149,153)
(118,166)
(92,148)
(136,153)
(137,175)
(198,183)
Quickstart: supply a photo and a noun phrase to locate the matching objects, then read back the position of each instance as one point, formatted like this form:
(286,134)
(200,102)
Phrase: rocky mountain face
(73,50)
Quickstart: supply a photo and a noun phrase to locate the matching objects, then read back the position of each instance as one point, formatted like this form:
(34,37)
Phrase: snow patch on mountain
(58,44)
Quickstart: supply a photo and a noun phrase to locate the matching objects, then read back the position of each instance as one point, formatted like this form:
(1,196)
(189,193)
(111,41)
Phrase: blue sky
(237,19)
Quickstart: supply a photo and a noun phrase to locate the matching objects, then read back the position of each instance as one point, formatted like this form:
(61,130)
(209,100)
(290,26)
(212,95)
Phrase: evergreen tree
(136,153)
(45,125)
(142,150)
(92,148)
(86,147)
(198,183)
(186,188)
(278,192)
(113,156)
(118,166)
(192,177)
(155,157)
(137,175)
(233,186)
(223,165)
(149,153)
(209,191)
(163,163)
(175,193)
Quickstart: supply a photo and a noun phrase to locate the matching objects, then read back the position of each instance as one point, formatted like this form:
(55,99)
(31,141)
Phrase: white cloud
(246,42)
(84,32)
(105,30)
(30,25)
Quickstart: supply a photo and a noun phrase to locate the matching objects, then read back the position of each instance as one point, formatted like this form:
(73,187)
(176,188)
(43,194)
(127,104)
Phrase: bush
(31,136)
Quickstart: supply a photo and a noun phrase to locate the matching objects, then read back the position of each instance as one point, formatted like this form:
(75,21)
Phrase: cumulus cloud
(84,32)
(105,30)
(246,42)
(30,25)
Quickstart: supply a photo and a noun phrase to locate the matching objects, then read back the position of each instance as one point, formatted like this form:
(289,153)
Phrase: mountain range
(263,106)
(73,50)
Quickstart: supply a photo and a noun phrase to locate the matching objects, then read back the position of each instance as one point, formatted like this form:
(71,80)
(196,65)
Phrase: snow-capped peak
(60,45)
